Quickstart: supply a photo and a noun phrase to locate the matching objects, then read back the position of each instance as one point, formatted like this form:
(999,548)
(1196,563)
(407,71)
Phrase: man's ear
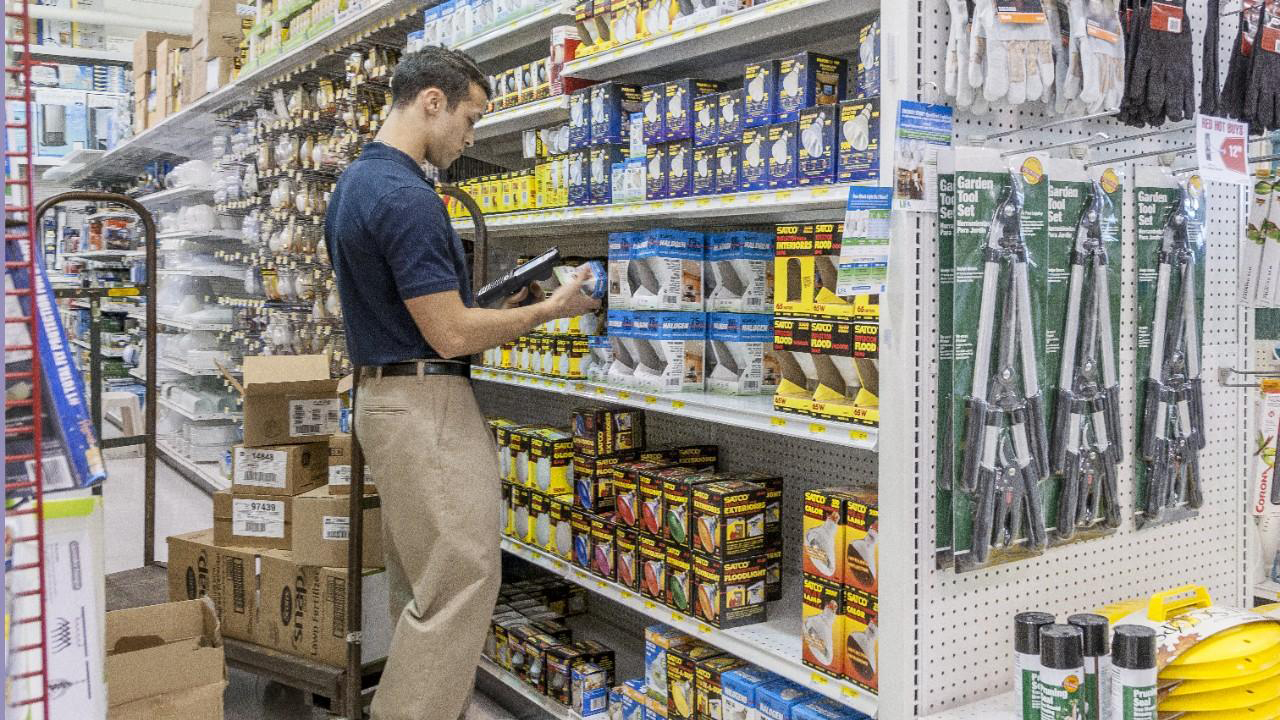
(432,101)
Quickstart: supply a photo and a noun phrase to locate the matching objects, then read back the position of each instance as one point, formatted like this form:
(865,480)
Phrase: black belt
(414,368)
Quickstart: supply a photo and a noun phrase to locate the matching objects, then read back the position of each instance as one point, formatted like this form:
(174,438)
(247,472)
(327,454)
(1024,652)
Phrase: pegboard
(963,639)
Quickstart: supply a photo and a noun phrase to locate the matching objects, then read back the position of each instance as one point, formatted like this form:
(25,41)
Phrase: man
(407,306)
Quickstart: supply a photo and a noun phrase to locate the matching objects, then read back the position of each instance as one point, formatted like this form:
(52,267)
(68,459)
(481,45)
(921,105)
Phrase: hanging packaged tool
(1172,429)
(946,283)
(999,406)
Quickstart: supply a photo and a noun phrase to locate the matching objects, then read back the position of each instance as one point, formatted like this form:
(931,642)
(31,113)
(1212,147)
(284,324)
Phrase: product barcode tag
(313,417)
(1167,16)
(339,474)
(1270,41)
(262,468)
(1020,11)
(56,472)
(257,518)
(335,528)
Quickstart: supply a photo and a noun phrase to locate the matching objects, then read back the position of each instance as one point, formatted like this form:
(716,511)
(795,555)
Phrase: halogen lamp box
(682,669)
(822,626)
(708,684)
(740,358)
(739,272)
(672,351)
(739,688)
(280,469)
(729,593)
(289,399)
(729,519)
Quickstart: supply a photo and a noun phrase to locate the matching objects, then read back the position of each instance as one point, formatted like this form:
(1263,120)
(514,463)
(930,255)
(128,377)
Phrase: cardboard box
(793,271)
(252,521)
(590,691)
(340,467)
(172,59)
(780,156)
(815,146)
(739,687)
(604,548)
(679,578)
(704,170)
(321,527)
(289,399)
(655,178)
(754,170)
(678,106)
(562,526)
(538,531)
(729,167)
(653,567)
(776,700)
(707,684)
(560,660)
(678,485)
(861,529)
(144,50)
(706,113)
(61,121)
(144,648)
(375,624)
(580,525)
(228,576)
(612,104)
(652,511)
(658,641)
(808,79)
(858,147)
(728,519)
(599,430)
(279,469)
(655,113)
(760,99)
(593,480)
(861,615)
(824,533)
(682,664)
(679,166)
(729,593)
(729,122)
(628,557)
(822,626)
(217,29)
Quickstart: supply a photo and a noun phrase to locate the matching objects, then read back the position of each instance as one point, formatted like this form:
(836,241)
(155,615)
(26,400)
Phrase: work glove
(1011,62)
(956,73)
(1066,60)
(1096,24)
(1262,95)
(1161,85)
(1231,99)
(1209,88)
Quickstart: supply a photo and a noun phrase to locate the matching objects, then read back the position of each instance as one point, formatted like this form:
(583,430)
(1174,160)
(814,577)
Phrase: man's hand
(569,301)
(531,292)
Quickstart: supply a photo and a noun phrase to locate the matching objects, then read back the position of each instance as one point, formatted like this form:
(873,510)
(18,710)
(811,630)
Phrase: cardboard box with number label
(321,526)
(340,467)
(280,469)
(226,575)
(289,399)
(252,521)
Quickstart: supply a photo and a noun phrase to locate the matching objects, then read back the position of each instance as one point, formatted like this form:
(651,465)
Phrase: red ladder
(20,209)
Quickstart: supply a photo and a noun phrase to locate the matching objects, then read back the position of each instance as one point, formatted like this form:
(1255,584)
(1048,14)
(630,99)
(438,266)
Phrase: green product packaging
(982,182)
(1026,661)
(1061,679)
(946,283)
(1156,193)
(1132,694)
(1096,635)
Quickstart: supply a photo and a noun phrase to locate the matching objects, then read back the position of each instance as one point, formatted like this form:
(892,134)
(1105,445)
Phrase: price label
(626,595)
(702,202)
(680,203)
(724,20)
(849,692)
(599,391)
(784,194)
(819,192)
(649,399)
(777,421)
(860,435)
(703,628)
(817,428)
(624,395)
(600,584)
(676,617)
(755,198)
(648,605)
(819,679)
(1220,147)
(677,404)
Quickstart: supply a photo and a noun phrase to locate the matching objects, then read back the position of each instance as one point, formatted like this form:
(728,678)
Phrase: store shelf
(532,29)
(106,352)
(164,363)
(176,194)
(53,52)
(201,235)
(203,475)
(1267,590)
(107,254)
(552,708)
(523,117)
(727,39)
(1000,707)
(228,273)
(751,412)
(774,644)
(72,163)
(761,206)
(197,417)
(189,325)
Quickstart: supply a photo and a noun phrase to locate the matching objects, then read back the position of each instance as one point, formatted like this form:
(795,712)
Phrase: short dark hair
(450,71)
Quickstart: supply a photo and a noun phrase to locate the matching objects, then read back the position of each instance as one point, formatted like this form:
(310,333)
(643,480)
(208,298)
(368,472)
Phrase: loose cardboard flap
(198,703)
(284,368)
(169,668)
(143,627)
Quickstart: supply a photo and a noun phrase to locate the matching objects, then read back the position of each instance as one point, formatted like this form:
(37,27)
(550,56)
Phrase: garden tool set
(1086,444)
(1005,452)
(1173,414)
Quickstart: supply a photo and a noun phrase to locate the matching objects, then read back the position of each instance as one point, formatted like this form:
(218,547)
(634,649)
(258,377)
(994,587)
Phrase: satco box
(653,567)
(279,469)
(252,521)
(781,158)
(655,113)
(861,528)
(321,528)
(754,169)
(593,480)
(816,144)
(551,461)
(611,105)
(628,557)
(793,270)
(288,399)
(580,525)
(773,502)
(559,666)
(704,170)
(600,656)
(655,177)
(706,111)
(824,533)
(809,79)
(604,551)
(760,99)
(603,159)
(659,640)
(580,177)
(678,106)
(580,118)
(860,646)
(729,122)
(728,519)
(626,489)
(858,142)
(508,509)
(729,593)
(652,509)
(708,688)
(678,486)
(519,511)
(728,167)
(599,430)
(682,665)
(538,530)
(562,526)
(822,626)
(679,165)
(144,647)
(679,578)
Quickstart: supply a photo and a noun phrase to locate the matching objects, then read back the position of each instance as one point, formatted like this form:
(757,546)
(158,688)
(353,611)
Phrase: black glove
(1262,98)
(1161,84)
(1131,14)
(1231,101)
(1209,100)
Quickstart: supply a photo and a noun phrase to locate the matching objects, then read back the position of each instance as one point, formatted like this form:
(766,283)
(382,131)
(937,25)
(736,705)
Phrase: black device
(539,268)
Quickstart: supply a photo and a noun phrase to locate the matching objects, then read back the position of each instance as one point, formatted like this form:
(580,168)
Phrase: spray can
(1096,632)
(1026,661)
(1061,673)
(1133,673)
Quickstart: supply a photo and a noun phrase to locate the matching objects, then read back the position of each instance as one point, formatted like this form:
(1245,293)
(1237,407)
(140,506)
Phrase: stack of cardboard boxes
(155,56)
(274,563)
(219,47)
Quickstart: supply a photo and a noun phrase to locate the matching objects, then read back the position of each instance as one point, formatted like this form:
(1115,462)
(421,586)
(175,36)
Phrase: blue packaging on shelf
(619,257)
(611,106)
(858,140)
(738,689)
(631,703)
(728,167)
(807,79)
(580,118)
(654,99)
(825,709)
(589,691)
(635,135)
(667,265)
(580,177)
(754,173)
(706,115)
(729,123)
(816,145)
(739,272)
(704,170)
(760,98)
(864,79)
(679,166)
(781,156)
(655,174)
(603,158)
(776,700)
(740,359)
(678,106)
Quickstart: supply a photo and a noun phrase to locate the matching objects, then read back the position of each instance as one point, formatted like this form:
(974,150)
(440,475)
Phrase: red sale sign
(1221,149)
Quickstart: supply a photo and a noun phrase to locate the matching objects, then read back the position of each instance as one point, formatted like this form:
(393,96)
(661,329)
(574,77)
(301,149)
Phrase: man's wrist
(546,311)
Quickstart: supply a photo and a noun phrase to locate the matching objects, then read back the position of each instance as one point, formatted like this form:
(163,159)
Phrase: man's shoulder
(381,184)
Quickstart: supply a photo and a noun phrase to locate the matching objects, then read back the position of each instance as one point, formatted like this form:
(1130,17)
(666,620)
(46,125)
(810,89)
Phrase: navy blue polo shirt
(390,239)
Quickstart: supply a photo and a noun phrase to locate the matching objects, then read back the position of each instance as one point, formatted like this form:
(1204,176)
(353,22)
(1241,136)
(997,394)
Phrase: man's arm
(454,330)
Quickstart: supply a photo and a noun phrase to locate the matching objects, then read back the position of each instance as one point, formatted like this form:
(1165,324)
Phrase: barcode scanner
(538,269)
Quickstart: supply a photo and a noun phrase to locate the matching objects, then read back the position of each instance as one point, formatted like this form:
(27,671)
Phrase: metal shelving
(190,325)
(517,35)
(523,117)
(175,194)
(753,412)
(1267,590)
(203,475)
(198,417)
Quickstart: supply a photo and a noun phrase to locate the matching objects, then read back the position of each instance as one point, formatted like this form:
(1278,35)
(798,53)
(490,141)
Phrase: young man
(407,306)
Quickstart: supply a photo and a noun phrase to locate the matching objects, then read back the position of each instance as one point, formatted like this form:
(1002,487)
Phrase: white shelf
(168,364)
(1267,590)
(198,417)
(203,475)
(106,352)
(200,235)
(189,325)
(774,644)
(107,254)
(715,41)
(523,32)
(72,163)
(751,412)
(74,53)
(523,117)
(1000,707)
(223,272)
(753,206)
(515,684)
(176,194)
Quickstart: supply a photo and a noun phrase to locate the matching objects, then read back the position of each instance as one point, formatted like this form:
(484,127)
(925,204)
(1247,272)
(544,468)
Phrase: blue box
(738,690)
(655,173)
(603,158)
(728,167)
(760,98)
(678,106)
(580,118)
(589,690)
(858,140)
(579,177)
(632,706)
(651,714)
(61,121)
(675,259)
(775,700)
(75,77)
(816,145)
(611,106)
(754,173)
(679,166)
(414,40)
(781,158)
(706,113)
(809,79)
(654,98)
(704,170)
(729,124)
(825,709)
(864,80)
(749,256)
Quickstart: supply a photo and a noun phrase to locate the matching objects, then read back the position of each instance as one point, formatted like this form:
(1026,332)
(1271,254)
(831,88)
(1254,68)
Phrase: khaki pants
(431,454)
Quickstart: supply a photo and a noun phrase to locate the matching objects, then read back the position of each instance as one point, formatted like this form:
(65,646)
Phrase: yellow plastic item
(1263,691)
(1192,687)
(1264,711)
(1163,604)
(1255,663)
(1267,609)
(1239,641)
